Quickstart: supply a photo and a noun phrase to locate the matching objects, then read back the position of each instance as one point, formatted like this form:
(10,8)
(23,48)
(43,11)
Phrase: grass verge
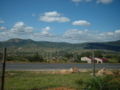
(27,80)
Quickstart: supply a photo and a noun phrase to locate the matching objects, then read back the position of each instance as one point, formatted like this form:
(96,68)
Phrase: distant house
(101,60)
(97,60)
(105,59)
(87,59)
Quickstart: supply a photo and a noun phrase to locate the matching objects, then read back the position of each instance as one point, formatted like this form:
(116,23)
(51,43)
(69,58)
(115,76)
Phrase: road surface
(30,66)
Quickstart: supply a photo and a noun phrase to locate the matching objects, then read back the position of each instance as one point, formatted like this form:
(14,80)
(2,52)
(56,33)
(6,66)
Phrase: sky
(73,21)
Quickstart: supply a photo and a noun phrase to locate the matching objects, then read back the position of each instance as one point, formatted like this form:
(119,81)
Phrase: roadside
(36,80)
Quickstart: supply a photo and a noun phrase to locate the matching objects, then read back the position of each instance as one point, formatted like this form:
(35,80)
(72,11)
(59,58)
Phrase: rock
(100,72)
(108,72)
(84,70)
(64,71)
(104,72)
(75,69)
(67,71)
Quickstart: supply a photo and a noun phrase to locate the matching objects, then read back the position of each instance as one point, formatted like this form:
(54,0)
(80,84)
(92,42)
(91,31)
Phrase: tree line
(60,56)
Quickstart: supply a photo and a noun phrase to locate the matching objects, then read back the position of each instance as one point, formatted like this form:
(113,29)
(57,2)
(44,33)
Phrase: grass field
(27,80)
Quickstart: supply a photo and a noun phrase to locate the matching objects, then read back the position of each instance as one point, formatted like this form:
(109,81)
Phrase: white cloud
(20,27)
(3,28)
(76,35)
(2,21)
(53,16)
(97,1)
(110,33)
(21,30)
(81,23)
(109,36)
(73,33)
(45,31)
(88,0)
(117,34)
(78,1)
(80,35)
(117,31)
(33,14)
(104,1)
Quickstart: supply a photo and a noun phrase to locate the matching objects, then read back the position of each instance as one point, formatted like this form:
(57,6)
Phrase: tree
(98,54)
(86,54)
(37,58)
(68,55)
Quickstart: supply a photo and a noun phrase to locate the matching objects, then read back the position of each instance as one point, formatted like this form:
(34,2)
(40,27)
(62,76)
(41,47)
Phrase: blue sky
(73,21)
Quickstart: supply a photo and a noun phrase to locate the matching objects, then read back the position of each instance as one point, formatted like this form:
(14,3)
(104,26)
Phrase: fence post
(3,69)
(93,56)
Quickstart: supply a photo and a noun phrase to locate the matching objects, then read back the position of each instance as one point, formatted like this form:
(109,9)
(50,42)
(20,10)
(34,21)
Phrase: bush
(95,83)
(35,58)
(103,83)
(16,58)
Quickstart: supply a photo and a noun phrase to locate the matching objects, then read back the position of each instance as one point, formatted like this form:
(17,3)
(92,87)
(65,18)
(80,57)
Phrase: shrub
(35,58)
(103,83)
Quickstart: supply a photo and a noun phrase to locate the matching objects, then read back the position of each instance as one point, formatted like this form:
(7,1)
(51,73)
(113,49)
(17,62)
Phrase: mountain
(16,42)
(105,46)
(115,43)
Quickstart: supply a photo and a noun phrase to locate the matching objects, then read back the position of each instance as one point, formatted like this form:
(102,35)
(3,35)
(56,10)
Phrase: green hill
(25,43)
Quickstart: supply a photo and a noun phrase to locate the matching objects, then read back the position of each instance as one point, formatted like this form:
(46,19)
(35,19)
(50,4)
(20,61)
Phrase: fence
(3,69)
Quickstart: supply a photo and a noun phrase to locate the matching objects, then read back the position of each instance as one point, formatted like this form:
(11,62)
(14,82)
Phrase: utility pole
(3,69)
(93,56)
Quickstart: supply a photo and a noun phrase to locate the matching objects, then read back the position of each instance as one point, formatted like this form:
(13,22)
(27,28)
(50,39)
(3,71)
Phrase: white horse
(88,60)
(98,60)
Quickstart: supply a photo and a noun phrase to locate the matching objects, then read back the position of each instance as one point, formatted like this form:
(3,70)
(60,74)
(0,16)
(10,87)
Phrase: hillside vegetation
(114,46)
(58,52)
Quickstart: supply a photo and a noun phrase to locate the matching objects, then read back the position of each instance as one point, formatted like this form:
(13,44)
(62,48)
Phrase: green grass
(26,80)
